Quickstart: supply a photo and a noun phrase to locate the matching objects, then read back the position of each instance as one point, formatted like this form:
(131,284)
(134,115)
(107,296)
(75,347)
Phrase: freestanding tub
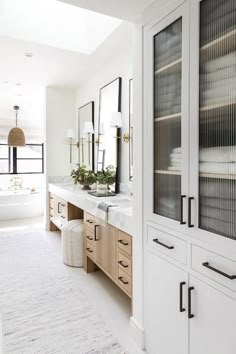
(20,204)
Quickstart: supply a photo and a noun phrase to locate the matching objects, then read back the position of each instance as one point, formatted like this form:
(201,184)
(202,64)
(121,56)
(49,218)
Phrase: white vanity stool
(72,243)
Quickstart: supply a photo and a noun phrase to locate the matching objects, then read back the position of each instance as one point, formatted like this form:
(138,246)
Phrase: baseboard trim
(137,333)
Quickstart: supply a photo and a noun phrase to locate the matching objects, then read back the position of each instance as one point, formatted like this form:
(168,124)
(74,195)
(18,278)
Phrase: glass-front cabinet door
(168,117)
(213,149)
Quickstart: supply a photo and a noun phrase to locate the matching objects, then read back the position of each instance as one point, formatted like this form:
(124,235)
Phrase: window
(22,160)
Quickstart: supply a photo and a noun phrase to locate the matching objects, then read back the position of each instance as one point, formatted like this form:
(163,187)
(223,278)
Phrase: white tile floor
(109,300)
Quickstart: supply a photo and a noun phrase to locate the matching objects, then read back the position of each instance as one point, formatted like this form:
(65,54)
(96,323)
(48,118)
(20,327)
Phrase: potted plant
(83,176)
(105,179)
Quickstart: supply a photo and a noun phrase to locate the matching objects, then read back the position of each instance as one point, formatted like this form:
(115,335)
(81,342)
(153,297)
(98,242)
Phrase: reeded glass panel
(167,120)
(217,117)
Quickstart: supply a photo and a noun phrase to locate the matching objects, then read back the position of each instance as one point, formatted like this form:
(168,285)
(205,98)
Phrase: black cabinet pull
(122,264)
(89,250)
(163,244)
(190,289)
(207,265)
(190,211)
(89,238)
(89,221)
(123,242)
(95,232)
(58,208)
(181,308)
(123,281)
(181,210)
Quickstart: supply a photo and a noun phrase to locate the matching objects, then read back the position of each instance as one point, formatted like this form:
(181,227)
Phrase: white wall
(60,115)
(118,62)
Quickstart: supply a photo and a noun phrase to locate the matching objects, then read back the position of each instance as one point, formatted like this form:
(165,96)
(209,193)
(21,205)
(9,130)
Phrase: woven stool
(72,243)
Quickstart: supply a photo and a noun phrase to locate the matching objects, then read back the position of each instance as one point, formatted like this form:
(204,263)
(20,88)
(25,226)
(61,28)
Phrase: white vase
(102,189)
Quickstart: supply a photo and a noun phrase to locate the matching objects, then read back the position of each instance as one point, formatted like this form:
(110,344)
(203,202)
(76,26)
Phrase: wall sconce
(88,129)
(70,135)
(116,122)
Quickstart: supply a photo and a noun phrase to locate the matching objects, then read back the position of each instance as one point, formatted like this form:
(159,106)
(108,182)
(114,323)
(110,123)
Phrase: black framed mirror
(108,150)
(131,129)
(86,135)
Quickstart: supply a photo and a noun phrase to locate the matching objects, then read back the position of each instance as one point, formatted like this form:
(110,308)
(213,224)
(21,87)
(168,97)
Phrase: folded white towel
(215,167)
(103,209)
(218,154)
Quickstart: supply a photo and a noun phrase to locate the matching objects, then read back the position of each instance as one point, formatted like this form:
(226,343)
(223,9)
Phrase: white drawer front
(214,266)
(167,244)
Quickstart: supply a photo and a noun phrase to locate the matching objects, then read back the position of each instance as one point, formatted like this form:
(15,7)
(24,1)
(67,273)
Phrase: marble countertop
(119,216)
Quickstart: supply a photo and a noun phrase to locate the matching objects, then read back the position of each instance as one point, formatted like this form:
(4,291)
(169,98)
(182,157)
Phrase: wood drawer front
(125,264)
(90,250)
(165,243)
(89,235)
(203,259)
(89,221)
(125,242)
(125,282)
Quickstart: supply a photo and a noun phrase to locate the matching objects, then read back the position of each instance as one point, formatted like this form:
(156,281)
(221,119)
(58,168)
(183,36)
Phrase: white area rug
(42,309)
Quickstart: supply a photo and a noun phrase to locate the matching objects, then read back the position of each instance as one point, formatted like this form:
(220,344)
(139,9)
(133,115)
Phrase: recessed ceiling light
(18,84)
(29,55)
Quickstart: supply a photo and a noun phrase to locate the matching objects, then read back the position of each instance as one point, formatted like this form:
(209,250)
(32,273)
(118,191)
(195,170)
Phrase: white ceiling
(55,23)
(128,10)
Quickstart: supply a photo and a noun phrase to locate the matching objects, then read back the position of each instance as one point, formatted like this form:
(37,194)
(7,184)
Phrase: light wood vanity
(105,246)
(109,249)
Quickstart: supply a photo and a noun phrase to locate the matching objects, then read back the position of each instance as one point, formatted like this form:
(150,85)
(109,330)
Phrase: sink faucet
(16,183)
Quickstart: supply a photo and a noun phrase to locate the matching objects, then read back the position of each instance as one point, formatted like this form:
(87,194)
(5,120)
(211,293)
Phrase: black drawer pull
(89,221)
(95,232)
(58,208)
(122,264)
(51,207)
(190,315)
(63,205)
(181,308)
(163,244)
(207,265)
(89,250)
(190,211)
(123,242)
(89,238)
(181,210)
(123,281)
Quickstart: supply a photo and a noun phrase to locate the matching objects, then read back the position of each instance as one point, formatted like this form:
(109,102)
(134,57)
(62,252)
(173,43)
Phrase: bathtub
(21,204)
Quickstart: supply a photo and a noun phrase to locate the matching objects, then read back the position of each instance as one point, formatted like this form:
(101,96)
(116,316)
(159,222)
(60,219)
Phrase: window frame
(15,159)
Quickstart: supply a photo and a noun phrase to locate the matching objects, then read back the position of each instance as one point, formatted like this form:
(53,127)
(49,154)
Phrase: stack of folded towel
(218,206)
(168,207)
(175,160)
(168,92)
(168,45)
(218,80)
(218,160)
(217,18)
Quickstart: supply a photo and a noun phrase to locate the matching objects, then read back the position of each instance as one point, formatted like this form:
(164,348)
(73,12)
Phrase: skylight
(55,23)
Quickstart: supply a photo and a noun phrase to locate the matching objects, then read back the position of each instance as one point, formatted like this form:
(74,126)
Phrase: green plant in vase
(105,179)
(81,175)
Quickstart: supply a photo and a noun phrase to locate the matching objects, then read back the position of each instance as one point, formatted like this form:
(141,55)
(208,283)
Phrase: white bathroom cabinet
(190,178)
(207,326)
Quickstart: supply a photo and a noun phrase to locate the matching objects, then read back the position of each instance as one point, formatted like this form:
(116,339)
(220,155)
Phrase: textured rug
(43,310)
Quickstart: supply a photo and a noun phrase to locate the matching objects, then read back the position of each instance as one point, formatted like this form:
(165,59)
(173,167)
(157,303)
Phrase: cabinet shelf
(219,46)
(218,175)
(168,66)
(175,115)
(214,106)
(168,172)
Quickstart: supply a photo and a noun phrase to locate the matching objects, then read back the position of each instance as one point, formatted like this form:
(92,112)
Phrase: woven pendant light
(16,136)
